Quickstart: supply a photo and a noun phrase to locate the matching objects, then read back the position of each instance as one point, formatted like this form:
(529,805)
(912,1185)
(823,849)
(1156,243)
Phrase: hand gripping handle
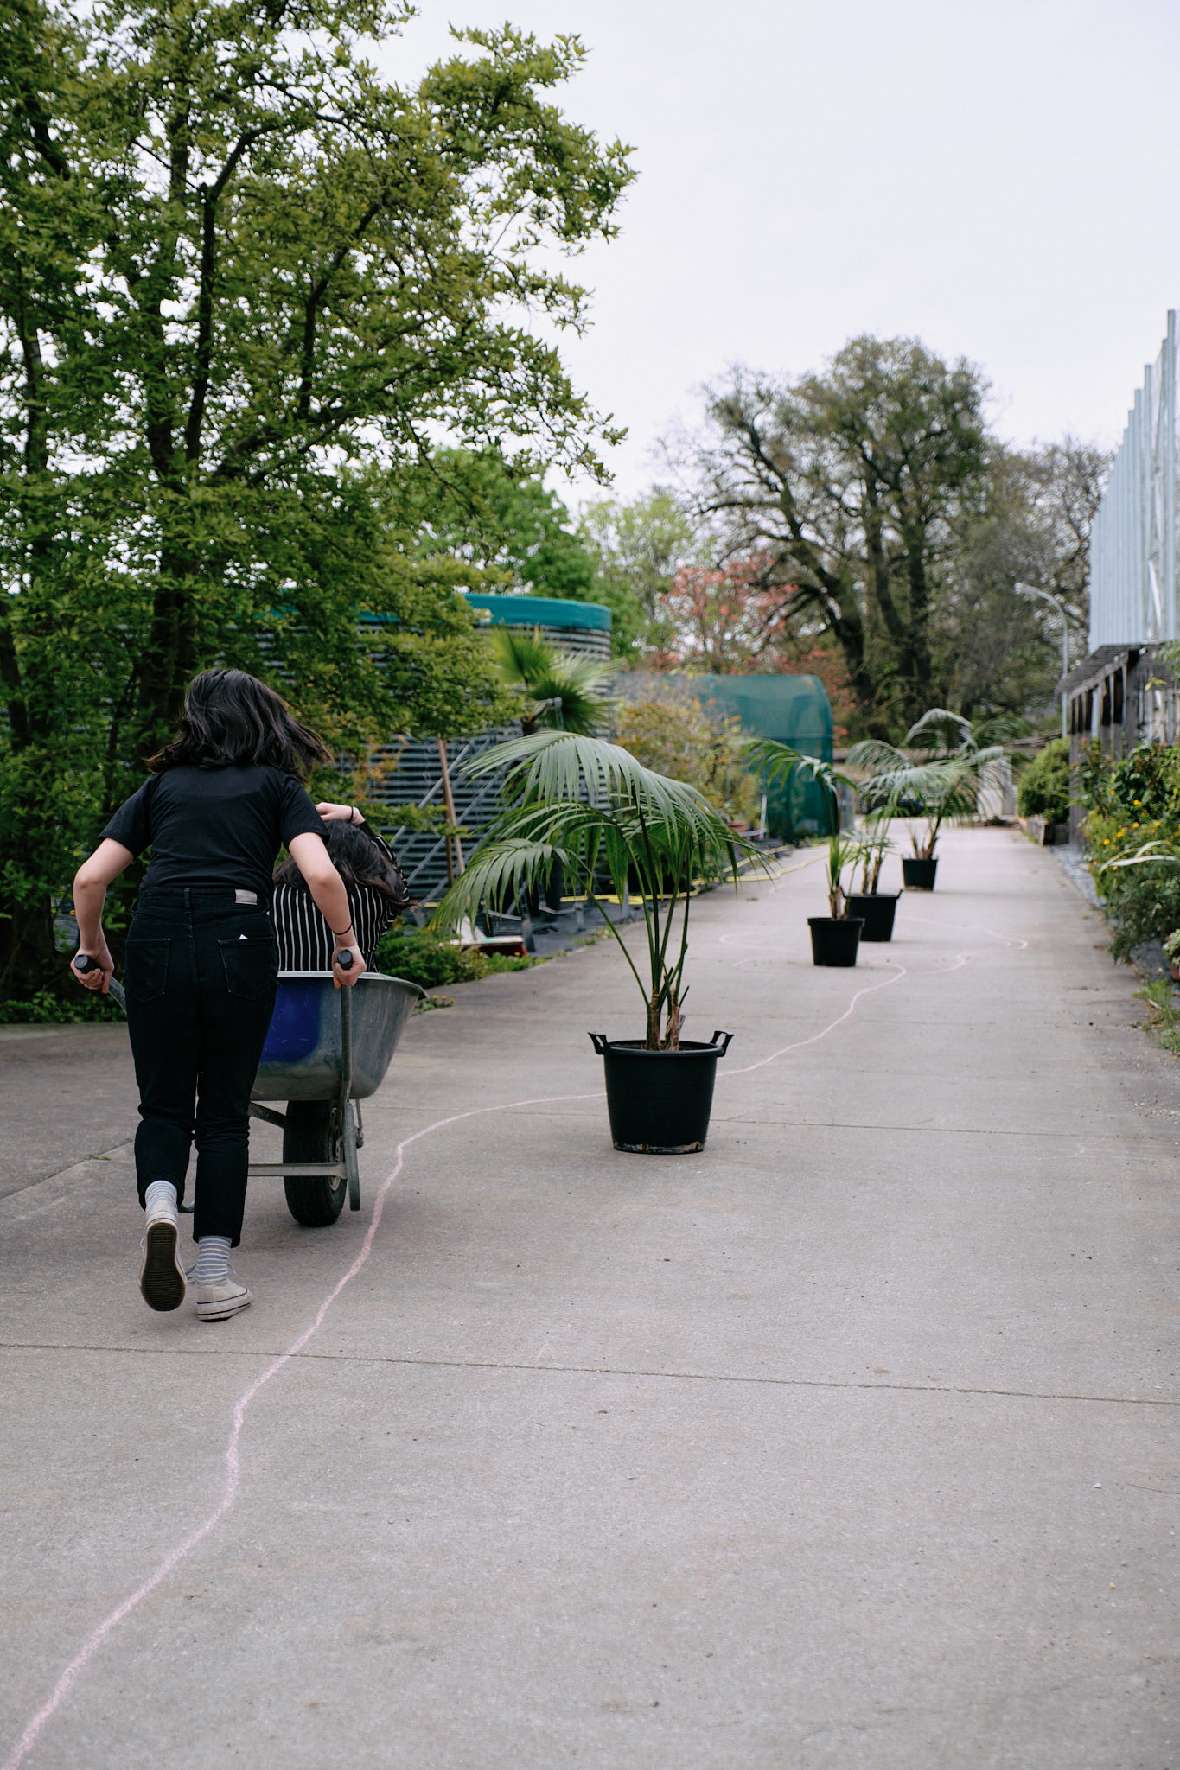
(82,963)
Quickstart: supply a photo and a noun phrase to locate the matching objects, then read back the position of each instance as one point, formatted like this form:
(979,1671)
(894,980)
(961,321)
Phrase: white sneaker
(218,1301)
(161,1279)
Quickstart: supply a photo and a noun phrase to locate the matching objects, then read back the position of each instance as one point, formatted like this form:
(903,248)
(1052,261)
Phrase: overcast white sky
(996,176)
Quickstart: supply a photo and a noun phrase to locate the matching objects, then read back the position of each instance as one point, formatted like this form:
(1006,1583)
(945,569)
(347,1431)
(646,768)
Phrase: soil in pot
(660,1101)
(917,874)
(877,910)
(834,940)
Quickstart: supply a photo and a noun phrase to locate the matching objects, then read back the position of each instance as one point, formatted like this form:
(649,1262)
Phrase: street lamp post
(1056,602)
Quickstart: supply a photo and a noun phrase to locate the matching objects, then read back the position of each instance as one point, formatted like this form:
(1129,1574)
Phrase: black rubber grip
(346,961)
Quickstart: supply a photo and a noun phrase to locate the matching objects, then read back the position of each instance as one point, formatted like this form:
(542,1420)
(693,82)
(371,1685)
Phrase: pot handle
(599,1041)
(717,1040)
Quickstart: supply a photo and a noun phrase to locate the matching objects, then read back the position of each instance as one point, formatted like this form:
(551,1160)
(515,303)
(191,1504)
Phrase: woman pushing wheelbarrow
(202,959)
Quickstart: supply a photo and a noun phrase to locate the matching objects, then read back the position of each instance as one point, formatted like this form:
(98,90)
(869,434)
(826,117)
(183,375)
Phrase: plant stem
(622,948)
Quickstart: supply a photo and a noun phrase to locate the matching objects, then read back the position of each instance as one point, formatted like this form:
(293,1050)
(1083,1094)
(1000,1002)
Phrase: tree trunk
(917,673)
(170,656)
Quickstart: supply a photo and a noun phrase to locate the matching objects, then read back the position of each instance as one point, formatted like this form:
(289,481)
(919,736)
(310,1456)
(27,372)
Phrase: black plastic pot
(877,910)
(834,939)
(659,1101)
(917,874)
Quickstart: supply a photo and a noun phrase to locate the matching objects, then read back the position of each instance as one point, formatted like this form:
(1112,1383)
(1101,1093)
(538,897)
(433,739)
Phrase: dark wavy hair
(231,719)
(360,861)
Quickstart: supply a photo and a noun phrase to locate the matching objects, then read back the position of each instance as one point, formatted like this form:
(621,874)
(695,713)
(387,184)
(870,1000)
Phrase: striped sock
(212,1260)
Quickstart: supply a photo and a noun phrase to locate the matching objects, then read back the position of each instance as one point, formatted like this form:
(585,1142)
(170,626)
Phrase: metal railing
(415,778)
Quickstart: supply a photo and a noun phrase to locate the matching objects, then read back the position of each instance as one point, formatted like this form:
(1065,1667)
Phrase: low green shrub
(1142,788)
(1134,817)
(421,957)
(1044,785)
(48,1008)
(1146,784)
(1143,900)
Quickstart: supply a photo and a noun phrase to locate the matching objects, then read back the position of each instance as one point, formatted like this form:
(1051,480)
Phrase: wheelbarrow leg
(349,1120)
(351,1164)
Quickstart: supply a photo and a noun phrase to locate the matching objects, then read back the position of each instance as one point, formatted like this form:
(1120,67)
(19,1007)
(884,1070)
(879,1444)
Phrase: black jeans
(200,979)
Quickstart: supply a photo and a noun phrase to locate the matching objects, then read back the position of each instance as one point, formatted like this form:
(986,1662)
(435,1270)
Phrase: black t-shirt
(215,826)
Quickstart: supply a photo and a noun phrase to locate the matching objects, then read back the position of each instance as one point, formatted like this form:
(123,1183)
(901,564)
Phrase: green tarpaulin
(796,711)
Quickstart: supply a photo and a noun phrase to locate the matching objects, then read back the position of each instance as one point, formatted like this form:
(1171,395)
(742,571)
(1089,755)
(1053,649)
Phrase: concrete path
(853,1442)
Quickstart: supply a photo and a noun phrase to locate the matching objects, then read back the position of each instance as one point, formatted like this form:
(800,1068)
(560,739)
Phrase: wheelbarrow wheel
(310,1136)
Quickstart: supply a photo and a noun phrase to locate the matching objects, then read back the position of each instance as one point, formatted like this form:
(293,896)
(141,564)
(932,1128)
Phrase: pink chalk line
(232,1466)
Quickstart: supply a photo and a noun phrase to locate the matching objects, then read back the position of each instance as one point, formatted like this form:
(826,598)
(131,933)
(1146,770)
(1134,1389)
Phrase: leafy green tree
(241,278)
(639,547)
(849,486)
(998,650)
(500,516)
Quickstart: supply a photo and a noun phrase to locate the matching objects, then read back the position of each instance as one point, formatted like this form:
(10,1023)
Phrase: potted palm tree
(875,907)
(835,938)
(588,806)
(934,776)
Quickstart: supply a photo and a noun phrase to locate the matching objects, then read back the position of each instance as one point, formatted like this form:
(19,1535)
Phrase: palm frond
(567,765)
(521,654)
(1153,853)
(498,874)
(874,756)
(899,785)
(568,692)
(780,762)
(938,725)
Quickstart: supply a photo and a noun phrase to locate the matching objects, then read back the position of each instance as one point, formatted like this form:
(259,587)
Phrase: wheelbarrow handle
(83,963)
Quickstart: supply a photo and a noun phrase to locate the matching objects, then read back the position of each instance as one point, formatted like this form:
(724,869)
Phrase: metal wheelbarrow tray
(326,1051)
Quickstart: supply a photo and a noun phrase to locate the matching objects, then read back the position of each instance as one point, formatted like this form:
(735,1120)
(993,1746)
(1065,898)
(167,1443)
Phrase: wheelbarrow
(326,1051)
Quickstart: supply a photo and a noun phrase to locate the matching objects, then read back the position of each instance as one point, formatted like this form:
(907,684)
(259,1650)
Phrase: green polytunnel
(794,710)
